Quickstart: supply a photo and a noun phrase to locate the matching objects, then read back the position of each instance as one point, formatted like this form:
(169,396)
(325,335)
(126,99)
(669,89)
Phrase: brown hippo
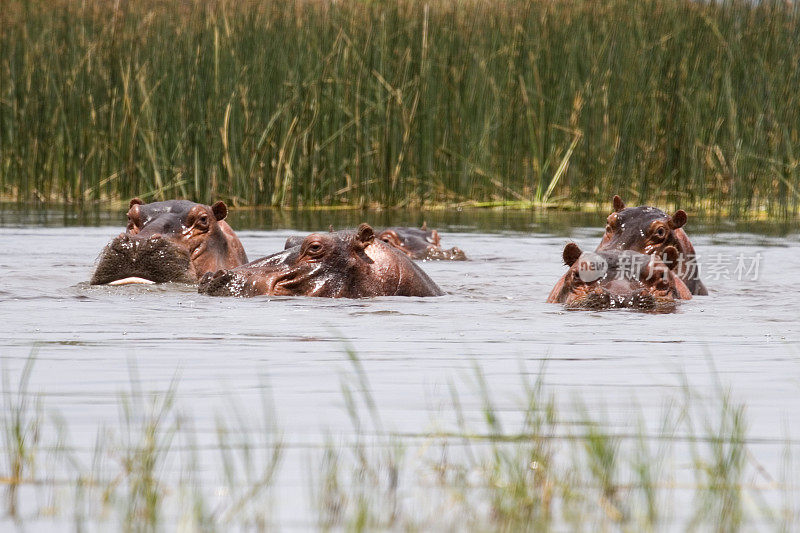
(649,230)
(420,243)
(175,240)
(416,243)
(342,264)
(619,279)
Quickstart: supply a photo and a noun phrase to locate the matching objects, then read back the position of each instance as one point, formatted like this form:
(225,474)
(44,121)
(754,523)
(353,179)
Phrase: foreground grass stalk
(21,426)
(149,428)
(532,467)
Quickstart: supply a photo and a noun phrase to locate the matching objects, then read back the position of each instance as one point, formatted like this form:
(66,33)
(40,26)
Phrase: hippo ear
(571,253)
(670,256)
(365,234)
(135,201)
(293,241)
(619,205)
(678,219)
(220,210)
(435,239)
(424,226)
(330,228)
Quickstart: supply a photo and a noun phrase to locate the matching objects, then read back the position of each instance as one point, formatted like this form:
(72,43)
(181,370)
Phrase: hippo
(420,243)
(619,279)
(417,243)
(649,230)
(342,264)
(175,240)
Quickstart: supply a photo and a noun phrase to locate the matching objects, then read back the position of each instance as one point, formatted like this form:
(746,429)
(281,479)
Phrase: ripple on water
(494,316)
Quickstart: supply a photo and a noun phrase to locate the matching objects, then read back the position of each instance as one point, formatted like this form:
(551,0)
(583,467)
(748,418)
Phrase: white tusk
(131,281)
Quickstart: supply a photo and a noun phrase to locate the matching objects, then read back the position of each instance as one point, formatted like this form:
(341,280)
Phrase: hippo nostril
(219,274)
(155,236)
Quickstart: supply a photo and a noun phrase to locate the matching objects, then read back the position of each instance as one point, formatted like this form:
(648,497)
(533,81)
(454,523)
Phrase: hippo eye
(661,232)
(608,228)
(314,248)
(203,219)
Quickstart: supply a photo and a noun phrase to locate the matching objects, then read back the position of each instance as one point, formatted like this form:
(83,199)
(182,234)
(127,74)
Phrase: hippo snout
(456,254)
(152,258)
(221,283)
(605,299)
(134,246)
(206,278)
(639,299)
(601,299)
(453,254)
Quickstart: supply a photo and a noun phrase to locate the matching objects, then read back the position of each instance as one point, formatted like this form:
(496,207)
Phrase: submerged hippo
(649,231)
(420,243)
(342,264)
(619,279)
(416,243)
(175,240)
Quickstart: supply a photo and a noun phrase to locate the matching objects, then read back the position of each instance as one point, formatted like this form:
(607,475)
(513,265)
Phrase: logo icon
(591,267)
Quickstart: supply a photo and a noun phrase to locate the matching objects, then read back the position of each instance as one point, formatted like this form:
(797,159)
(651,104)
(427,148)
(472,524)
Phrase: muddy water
(745,335)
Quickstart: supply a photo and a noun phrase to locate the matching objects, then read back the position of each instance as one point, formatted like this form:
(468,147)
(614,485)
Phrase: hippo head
(619,279)
(175,240)
(343,264)
(296,240)
(649,230)
(420,243)
(643,229)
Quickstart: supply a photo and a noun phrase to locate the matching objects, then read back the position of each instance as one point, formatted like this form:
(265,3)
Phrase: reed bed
(402,102)
(537,467)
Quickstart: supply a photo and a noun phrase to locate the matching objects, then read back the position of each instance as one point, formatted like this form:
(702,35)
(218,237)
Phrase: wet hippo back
(344,264)
(174,240)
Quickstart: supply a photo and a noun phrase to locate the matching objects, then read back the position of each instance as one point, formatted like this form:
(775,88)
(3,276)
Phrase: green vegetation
(366,103)
(535,468)
(20,423)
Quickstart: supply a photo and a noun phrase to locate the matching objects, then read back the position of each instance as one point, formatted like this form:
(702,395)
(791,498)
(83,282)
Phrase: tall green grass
(402,101)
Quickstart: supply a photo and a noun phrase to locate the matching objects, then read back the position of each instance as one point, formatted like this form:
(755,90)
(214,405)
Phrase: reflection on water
(745,334)
(455,219)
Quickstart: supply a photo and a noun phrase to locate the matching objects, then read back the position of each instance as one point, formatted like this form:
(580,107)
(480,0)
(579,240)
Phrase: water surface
(744,335)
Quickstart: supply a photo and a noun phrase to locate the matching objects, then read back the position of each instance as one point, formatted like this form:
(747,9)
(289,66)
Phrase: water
(92,340)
